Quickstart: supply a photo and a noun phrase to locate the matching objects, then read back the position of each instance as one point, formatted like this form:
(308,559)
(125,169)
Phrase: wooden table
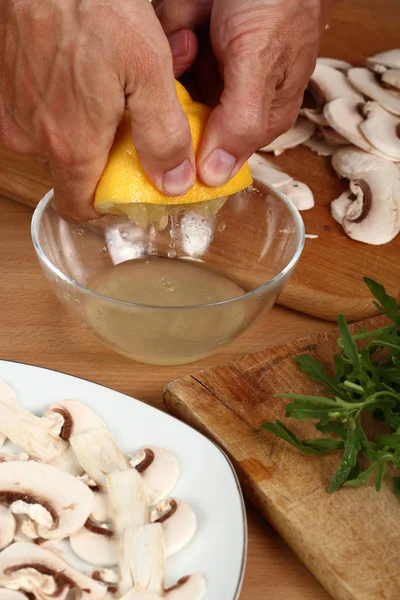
(35,329)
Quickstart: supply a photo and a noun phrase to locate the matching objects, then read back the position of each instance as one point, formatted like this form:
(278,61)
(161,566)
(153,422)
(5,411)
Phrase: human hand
(265,53)
(68,68)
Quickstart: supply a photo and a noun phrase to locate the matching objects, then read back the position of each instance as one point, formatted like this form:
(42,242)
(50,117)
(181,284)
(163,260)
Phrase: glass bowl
(176,295)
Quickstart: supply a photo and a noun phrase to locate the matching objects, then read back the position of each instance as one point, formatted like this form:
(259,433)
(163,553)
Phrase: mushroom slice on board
(320,146)
(128,498)
(96,544)
(142,559)
(58,502)
(382,129)
(334,63)
(367,83)
(266,171)
(392,77)
(384,60)
(98,454)
(76,417)
(314,115)
(298,134)
(159,469)
(192,587)
(341,205)
(8,526)
(333,137)
(373,216)
(7,395)
(134,595)
(345,116)
(34,569)
(34,435)
(349,162)
(178,521)
(10,457)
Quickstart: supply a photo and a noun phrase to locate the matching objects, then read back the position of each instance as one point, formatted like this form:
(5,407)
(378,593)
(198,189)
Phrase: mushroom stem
(142,559)
(129,502)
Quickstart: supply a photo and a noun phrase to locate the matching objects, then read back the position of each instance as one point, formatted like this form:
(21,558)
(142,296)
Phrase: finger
(74,188)
(184,48)
(160,128)
(183,14)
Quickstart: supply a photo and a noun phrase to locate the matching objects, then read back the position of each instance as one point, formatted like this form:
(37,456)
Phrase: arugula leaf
(387,304)
(334,427)
(346,340)
(352,446)
(362,478)
(313,446)
(315,370)
(396,486)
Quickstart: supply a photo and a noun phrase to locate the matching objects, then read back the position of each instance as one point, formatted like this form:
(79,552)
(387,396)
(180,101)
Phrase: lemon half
(124,187)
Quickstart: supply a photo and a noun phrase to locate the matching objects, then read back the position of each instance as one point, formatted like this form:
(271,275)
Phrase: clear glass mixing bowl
(249,250)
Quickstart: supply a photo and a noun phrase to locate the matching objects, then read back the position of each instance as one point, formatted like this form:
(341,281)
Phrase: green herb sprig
(366,380)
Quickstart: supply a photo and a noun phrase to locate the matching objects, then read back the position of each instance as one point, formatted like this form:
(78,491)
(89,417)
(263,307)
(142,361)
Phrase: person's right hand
(69,68)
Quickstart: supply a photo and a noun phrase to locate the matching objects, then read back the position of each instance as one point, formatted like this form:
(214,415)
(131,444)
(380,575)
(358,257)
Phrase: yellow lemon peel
(124,183)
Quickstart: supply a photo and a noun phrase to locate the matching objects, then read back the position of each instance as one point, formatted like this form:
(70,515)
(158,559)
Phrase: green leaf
(391,440)
(312,400)
(334,427)
(315,370)
(396,486)
(348,343)
(313,446)
(379,475)
(352,447)
(392,418)
(387,304)
(362,478)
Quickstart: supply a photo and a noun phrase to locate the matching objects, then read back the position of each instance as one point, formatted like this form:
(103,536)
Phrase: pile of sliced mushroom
(72,483)
(357,122)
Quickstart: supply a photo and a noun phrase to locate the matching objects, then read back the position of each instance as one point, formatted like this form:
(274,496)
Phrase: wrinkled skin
(68,69)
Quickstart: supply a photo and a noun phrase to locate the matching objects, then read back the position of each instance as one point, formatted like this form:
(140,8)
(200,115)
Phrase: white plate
(207,480)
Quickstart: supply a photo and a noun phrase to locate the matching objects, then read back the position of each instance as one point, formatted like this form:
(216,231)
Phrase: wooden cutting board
(350,539)
(328,278)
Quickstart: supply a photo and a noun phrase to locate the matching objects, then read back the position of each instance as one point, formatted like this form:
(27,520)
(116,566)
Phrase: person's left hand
(260,55)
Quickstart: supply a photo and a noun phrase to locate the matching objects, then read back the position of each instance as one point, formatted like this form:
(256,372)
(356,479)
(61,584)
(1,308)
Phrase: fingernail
(178,181)
(179,43)
(218,167)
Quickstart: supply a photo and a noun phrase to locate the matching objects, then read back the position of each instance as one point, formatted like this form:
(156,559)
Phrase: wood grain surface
(337,535)
(328,278)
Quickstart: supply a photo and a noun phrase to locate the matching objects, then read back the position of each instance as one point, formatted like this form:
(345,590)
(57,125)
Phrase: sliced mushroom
(384,60)
(382,129)
(159,469)
(327,84)
(298,134)
(7,395)
(134,595)
(320,146)
(33,434)
(299,193)
(265,171)
(392,77)
(349,162)
(335,63)
(96,544)
(11,595)
(101,509)
(108,577)
(178,522)
(10,457)
(346,117)
(367,83)
(314,115)
(192,587)
(128,498)
(8,527)
(142,559)
(58,503)
(373,216)
(333,137)
(98,454)
(36,570)
(76,417)
(341,205)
